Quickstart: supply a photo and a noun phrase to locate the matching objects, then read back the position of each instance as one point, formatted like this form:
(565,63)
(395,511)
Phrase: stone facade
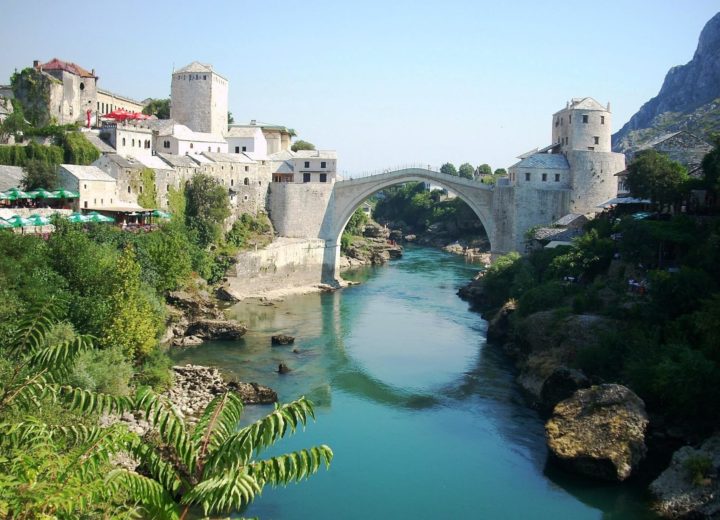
(96,188)
(107,101)
(129,140)
(199,99)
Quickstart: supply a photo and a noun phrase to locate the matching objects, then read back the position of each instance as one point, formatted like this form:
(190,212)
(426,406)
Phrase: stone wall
(536,207)
(298,210)
(284,264)
(593,178)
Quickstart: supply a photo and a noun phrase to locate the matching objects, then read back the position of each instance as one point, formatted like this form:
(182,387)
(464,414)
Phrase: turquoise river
(424,418)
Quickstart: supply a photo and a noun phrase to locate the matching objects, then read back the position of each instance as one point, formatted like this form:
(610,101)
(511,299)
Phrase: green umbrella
(160,214)
(18,221)
(97,217)
(3,196)
(42,193)
(16,193)
(77,217)
(4,224)
(66,194)
(39,220)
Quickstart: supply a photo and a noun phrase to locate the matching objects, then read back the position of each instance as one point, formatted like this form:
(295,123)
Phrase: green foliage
(78,150)
(302,145)
(131,326)
(37,174)
(248,229)
(165,257)
(31,89)
(356,224)
(466,171)
(484,169)
(230,118)
(448,169)
(214,466)
(500,171)
(207,207)
(542,297)
(590,255)
(107,371)
(698,467)
(14,124)
(19,155)
(653,175)
(155,371)
(158,107)
(148,196)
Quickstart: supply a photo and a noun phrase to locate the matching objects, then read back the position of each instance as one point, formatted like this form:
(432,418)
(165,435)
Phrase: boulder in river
(253,393)
(187,341)
(690,486)
(283,369)
(561,385)
(599,432)
(216,329)
(282,339)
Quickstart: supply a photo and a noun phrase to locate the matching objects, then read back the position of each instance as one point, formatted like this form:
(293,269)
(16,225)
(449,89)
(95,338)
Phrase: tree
(466,171)
(14,124)
(357,222)
(500,171)
(484,169)
(711,170)
(38,174)
(448,169)
(207,207)
(302,145)
(655,176)
(159,108)
(231,119)
(214,466)
(131,326)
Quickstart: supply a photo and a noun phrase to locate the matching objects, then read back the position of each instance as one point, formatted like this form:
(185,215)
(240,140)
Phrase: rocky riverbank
(597,428)
(374,247)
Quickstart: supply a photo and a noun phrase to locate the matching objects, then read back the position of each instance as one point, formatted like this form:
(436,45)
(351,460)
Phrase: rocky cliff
(688,100)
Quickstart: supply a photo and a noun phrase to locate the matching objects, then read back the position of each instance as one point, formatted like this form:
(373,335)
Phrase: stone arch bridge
(321,211)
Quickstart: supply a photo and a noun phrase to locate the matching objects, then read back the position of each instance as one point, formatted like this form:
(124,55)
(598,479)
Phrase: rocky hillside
(688,100)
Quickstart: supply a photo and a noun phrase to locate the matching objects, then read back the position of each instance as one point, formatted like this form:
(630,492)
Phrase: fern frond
(37,322)
(218,421)
(238,448)
(165,419)
(158,468)
(61,357)
(147,492)
(90,402)
(292,467)
(229,491)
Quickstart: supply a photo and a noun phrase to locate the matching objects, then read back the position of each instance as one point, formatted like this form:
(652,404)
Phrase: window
(128,189)
(85,186)
(557,121)
(544,177)
(85,204)
(141,188)
(246,182)
(191,145)
(237,149)
(557,177)
(527,176)
(246,197)
(82,86)
(570,119)
(597,139)
(307,164)
(561,121)
(306,177)
(247,168)
(323,177)
(133,142)
(602,120)
(166,144)
(102,202)
(244,148)
(591,148)
(204,76)
(218,149)
(167,187)
(232,182)
(123,141)
(585,119)
(323,164)
(210,149)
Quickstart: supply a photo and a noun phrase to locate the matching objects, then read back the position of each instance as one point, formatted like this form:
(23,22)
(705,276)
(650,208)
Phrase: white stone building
(314,166)
(73,93)
(178,139)
(97,189)
(579,161)
(107,102)
(199,99)
(246,139)
(133,140)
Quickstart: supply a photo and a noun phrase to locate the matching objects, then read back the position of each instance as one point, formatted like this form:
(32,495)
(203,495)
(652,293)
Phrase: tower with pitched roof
(199,99)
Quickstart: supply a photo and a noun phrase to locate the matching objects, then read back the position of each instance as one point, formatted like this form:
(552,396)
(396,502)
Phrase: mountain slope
(688,100)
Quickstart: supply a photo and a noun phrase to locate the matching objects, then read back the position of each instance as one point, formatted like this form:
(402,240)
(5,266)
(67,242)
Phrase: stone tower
(582,132)
(199,99)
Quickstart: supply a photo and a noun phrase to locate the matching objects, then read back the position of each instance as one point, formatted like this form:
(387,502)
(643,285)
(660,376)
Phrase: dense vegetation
(664,343)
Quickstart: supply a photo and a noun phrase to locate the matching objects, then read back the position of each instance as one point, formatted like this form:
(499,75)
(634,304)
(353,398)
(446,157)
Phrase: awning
(623,200)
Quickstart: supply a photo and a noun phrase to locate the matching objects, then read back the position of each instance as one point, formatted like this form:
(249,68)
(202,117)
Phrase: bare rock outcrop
(690,486)
(282,339)
(209,329)
(599,432)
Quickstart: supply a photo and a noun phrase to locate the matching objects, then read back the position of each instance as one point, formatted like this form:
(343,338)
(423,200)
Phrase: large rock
(599,432)
(374,230)
(499,326)
(216,329)
(194,304)
(253,393)
(282,339)
(690,487)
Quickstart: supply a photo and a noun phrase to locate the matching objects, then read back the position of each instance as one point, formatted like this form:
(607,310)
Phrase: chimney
(36,64)
(608,107)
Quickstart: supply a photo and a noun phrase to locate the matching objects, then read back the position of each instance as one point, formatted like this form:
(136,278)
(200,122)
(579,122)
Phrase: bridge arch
(348,195)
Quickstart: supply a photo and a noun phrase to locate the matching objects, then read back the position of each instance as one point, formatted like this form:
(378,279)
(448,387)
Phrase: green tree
(207,207)
(466,171)
(711,170)
(484,169)
(231,119)
(214,466)
(655,176)
(78,150)
(500,171)
(14,124)
(159,108)
(448,169)
(38,174)
(131,326)
(302,145)
(356,224)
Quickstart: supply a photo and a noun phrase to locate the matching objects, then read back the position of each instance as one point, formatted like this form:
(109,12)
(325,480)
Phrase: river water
(424,418)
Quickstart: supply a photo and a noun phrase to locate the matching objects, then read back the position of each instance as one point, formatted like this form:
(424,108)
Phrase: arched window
(246,181)
(133,142)
(191,145)
(123,141)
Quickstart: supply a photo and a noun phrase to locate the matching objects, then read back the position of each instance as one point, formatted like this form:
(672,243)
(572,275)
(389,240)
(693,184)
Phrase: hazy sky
(383,83)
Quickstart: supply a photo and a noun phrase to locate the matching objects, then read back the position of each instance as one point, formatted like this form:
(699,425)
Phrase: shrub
(543,297)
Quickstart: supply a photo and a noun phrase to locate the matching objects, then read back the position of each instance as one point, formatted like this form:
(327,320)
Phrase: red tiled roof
(67,66)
